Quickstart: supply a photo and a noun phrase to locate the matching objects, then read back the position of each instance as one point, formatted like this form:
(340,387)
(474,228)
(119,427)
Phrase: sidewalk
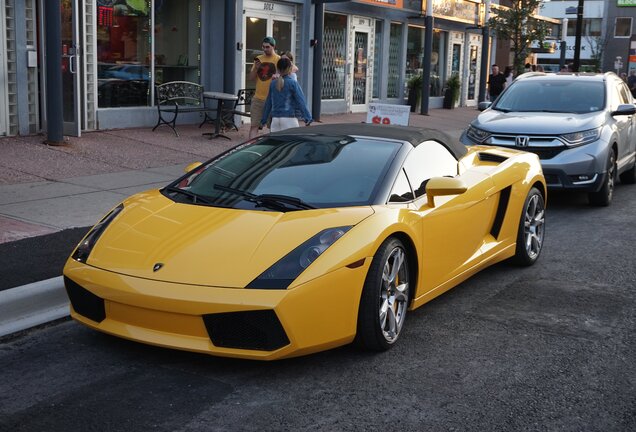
(45,189)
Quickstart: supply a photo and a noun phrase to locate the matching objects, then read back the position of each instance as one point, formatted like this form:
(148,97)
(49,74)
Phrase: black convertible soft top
(413,135)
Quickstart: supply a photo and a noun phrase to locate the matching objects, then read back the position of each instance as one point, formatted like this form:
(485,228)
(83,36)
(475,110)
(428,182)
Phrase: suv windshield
(559,96)
(288,173)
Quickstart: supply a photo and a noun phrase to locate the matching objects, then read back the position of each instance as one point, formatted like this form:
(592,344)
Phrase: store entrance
(71,74)
(272,19)
(361,49)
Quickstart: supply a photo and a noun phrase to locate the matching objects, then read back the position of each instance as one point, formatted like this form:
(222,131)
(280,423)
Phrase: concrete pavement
(45,189)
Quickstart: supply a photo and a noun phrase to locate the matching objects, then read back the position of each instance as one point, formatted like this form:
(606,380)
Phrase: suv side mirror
(442,186)
(484,105)
(625,109)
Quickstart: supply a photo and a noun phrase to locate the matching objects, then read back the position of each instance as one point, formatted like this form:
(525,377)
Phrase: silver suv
(582,127)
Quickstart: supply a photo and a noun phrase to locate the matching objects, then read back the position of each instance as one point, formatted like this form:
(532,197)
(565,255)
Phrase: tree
(597,46)
(517,23)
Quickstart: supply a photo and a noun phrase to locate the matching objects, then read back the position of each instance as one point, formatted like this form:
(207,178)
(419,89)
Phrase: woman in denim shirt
(284,98)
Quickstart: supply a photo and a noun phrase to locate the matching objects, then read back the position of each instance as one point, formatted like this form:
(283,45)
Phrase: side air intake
(491,157)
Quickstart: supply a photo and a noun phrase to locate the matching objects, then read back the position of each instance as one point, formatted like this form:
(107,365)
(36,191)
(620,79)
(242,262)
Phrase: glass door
(259,24)
(361,67)
(71,52)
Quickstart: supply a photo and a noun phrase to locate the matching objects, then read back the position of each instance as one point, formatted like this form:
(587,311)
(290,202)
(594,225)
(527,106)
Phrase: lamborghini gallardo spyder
(306,239)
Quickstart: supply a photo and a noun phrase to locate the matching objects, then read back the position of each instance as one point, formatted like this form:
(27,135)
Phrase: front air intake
(255,330)
(85,302)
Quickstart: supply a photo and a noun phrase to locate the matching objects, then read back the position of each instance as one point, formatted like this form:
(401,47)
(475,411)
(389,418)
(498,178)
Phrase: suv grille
(546,147)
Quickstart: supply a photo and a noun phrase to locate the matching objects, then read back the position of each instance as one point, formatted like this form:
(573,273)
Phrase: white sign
(388,114)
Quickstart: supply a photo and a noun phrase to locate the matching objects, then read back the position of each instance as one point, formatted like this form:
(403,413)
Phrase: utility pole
(426,61)
(579,30)
(563,44)
(485,51)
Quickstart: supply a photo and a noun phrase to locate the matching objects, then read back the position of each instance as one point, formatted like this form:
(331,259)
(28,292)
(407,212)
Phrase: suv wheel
(603,197)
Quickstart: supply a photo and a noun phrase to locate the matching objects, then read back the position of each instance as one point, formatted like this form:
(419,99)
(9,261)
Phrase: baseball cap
(270,40)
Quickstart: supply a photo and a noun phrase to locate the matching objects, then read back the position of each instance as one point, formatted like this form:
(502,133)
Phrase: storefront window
(438,62)
(124,41)
(334,58)
(395,47)
(414,52)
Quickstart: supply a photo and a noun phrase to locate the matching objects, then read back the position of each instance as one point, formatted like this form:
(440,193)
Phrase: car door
(630,133)
(454,230)
(624,124)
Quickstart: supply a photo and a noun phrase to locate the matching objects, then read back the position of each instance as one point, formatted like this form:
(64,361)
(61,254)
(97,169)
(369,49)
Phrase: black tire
(604,196)
(531,229)
(629,176)
(382,296)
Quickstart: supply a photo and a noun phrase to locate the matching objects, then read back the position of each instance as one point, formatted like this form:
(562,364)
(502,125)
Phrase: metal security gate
(4,89)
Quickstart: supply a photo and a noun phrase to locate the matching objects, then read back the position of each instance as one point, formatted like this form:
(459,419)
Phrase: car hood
(532,123)
(203,245)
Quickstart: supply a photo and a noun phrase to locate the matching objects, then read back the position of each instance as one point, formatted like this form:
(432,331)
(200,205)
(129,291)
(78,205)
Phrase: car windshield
(285,173)
(558,96)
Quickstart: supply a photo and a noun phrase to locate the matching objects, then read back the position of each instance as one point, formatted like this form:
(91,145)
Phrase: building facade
(115,51)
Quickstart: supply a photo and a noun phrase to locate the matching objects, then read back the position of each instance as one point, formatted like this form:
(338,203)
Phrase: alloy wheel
(394,294)
(534,221)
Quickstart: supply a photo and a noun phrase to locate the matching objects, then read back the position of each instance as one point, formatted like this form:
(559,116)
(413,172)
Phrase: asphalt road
(546,348)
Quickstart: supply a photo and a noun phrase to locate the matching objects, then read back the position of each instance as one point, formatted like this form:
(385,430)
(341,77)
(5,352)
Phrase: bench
(242,107)
(176,97)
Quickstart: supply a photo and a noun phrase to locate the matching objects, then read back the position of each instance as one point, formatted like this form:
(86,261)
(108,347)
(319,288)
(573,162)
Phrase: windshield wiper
(195,198)
(277,202)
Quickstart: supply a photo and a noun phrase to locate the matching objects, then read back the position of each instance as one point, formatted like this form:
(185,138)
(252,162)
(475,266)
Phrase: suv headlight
(580,138)
(477,135)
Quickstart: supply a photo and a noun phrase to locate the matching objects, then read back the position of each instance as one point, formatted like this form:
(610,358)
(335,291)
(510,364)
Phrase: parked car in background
(582,127)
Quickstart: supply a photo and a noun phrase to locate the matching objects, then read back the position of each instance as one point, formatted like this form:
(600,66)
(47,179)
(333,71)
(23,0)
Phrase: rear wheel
(531,229)
(603,197)
(385,298)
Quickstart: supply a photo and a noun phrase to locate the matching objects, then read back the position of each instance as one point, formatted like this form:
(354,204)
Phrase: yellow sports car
(306,239)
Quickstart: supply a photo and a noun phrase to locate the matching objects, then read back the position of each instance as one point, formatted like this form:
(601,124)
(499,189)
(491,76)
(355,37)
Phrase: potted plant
(414,85)
(451,95)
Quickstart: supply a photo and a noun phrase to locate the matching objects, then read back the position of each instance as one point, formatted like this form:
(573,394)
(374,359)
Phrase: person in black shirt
(496,82)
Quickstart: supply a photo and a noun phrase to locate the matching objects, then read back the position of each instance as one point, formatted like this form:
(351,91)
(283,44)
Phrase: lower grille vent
(85,302)
(256,330)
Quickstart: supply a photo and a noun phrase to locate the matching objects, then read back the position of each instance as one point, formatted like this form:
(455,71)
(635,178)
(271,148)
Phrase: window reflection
(124,40)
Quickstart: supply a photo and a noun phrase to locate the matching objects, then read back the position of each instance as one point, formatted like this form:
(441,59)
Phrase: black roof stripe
(413,135)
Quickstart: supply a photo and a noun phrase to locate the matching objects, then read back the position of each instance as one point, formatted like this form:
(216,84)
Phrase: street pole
(564,44)
(54,105)
(579,31)
(426,61)
(485,54)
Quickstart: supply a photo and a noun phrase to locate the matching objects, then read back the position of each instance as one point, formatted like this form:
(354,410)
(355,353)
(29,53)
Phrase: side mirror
(192,167)
(625,109)
(484,106)
(442,186)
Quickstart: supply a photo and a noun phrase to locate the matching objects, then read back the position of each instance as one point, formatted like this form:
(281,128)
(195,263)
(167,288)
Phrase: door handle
(71,63)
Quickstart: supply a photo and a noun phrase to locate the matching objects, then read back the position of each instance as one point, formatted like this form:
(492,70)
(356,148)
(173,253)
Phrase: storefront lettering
(268,6)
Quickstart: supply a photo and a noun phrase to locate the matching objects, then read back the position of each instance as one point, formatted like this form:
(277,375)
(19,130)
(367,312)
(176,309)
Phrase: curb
(32,304)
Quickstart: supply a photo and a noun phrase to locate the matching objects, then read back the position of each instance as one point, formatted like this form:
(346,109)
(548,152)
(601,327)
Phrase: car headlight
(283,273)
(581,138)
(477,135)
(85,247)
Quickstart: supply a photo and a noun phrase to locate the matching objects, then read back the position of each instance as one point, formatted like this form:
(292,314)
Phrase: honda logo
(522,141)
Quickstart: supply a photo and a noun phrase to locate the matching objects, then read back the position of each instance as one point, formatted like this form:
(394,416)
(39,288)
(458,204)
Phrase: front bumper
(259,324)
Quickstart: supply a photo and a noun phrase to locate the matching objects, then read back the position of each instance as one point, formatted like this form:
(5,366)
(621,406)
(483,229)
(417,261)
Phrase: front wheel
(531,229)
(385,298)
(603,197)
